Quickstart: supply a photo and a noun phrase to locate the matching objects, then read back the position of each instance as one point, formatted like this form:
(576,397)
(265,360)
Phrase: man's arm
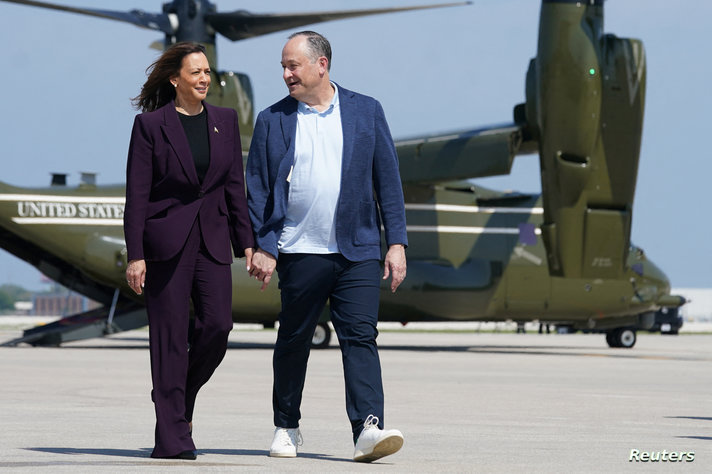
(259,187)
(389,193)
(387,183)
(258,194)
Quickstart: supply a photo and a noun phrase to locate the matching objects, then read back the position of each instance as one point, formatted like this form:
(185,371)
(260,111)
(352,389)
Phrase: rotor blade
(241,24)
(140,18)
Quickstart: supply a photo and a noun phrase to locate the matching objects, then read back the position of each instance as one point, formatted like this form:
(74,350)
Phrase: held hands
(136,275)
(395,265)
(263,265)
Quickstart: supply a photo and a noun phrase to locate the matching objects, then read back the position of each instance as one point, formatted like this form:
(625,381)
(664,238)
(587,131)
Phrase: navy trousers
(306,282)
(179,366)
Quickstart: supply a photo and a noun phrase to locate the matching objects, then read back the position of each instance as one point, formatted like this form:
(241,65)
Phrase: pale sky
(68,80)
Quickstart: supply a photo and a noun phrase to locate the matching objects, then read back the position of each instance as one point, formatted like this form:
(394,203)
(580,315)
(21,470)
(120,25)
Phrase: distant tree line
(10,294)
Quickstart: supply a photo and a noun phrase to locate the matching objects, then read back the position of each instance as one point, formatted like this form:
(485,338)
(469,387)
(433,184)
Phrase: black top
(196,129)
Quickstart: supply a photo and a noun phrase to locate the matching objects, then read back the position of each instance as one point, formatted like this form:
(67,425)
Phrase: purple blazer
(164,196)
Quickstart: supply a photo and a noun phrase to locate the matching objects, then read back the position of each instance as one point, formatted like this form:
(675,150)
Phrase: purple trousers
(179,365)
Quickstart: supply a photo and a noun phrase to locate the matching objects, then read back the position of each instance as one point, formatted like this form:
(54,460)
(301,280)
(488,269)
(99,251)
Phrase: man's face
(302,76)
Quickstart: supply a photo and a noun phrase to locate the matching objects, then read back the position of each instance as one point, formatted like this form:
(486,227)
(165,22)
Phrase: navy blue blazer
(371,190)
(164,196)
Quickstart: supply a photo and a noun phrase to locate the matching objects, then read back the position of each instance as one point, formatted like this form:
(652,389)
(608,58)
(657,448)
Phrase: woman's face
(193,81)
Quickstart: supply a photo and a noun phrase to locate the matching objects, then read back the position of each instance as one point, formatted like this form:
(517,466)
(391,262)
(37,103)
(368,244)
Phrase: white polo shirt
(315,182)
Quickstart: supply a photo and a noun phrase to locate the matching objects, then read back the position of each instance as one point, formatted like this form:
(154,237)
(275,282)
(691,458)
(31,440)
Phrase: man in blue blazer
(322,178)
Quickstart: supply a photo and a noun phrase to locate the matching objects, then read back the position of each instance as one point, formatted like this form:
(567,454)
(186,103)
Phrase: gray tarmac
(465,402)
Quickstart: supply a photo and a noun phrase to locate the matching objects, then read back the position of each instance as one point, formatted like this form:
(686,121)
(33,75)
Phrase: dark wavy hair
(157,91)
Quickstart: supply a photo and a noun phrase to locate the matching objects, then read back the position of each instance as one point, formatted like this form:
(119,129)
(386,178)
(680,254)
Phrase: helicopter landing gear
(621,337)
(322,336)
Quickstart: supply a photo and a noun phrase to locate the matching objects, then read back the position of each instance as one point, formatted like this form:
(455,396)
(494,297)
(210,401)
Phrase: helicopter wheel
(622,337)
(626,337)
(322,336)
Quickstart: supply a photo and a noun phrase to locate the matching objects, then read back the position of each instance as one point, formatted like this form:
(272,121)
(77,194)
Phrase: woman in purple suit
(185,215)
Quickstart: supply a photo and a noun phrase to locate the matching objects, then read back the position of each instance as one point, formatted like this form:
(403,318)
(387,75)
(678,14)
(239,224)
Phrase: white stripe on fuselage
(49,198)
(71,210)
(410,206)
(68,221)
(473,209)
(451,229)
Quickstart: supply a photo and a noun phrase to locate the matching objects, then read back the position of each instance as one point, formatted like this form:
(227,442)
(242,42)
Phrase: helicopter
(562,257)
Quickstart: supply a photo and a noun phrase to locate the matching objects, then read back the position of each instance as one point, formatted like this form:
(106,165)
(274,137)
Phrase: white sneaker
(285,442)
(374,443)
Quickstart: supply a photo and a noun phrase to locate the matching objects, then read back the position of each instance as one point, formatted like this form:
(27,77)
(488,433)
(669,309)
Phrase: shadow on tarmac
(145,453)
(137,343)
(697,418)
(702,418)
(553,350)
(124,453)
(265,453)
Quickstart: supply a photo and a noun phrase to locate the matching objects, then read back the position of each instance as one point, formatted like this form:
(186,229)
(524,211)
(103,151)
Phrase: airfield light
(592,72)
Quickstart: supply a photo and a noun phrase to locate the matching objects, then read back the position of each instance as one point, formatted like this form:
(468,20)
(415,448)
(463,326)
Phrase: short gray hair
(317,46)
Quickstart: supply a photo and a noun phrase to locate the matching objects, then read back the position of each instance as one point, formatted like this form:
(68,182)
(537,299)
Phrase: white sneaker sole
(386,446)
(282,455)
